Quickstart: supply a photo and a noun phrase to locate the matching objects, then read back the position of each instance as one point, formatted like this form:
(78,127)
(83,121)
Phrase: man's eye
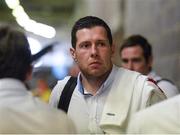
(84,45)
(124,60)
(101,44)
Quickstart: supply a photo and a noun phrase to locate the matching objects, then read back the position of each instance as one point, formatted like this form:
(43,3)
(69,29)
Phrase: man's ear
(73,54)
(29,73)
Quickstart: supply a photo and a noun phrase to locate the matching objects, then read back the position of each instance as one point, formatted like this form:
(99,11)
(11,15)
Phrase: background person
(136,55)
(105,96)
(20,112)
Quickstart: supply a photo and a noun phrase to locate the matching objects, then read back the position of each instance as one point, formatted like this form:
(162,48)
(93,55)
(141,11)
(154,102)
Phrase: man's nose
(94,51)
(129,65)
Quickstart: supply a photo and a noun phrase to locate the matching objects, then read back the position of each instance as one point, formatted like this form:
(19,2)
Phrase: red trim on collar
(154,82)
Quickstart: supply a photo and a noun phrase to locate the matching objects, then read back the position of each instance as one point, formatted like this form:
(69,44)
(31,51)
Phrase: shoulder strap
(164,79)
(67,93)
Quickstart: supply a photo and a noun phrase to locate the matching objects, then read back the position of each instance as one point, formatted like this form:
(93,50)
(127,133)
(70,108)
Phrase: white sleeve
(169,89)
(153,92)
(56,92)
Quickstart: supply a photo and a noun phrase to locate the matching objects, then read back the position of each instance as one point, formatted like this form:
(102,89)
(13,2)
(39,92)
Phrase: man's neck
(92,84)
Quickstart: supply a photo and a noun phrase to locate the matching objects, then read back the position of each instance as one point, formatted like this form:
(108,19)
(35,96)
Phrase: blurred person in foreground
(20,112)
(105,96)
(161,118)
(136,55)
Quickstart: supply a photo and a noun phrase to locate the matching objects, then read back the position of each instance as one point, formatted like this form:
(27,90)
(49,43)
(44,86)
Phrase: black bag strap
(164,79)
(67,94)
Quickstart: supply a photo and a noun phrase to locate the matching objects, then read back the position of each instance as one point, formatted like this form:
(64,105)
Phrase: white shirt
(20,112)
(84,109)
(167,87)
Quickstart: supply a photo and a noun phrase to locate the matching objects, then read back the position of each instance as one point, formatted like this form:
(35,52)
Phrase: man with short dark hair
(136,55)
(20,112)
(105,96)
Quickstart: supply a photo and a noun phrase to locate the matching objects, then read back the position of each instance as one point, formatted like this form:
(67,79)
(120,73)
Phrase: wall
(159,21)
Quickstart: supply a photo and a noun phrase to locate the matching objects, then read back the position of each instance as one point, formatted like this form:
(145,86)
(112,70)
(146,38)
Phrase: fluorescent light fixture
(28,24)
(12,3)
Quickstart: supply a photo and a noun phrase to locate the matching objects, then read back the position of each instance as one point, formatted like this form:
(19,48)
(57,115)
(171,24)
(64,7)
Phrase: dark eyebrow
(102,41)
(84,42)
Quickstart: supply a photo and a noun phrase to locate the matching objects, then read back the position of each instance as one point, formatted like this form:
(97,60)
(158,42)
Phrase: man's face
(93,52)
(133,59)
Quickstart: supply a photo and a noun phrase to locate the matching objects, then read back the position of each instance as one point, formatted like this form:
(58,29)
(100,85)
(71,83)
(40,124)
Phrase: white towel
(118,102)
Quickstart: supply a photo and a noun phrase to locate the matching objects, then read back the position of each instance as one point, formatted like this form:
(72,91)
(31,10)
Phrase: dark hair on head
(138,40)
(15,54)
(89,22)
